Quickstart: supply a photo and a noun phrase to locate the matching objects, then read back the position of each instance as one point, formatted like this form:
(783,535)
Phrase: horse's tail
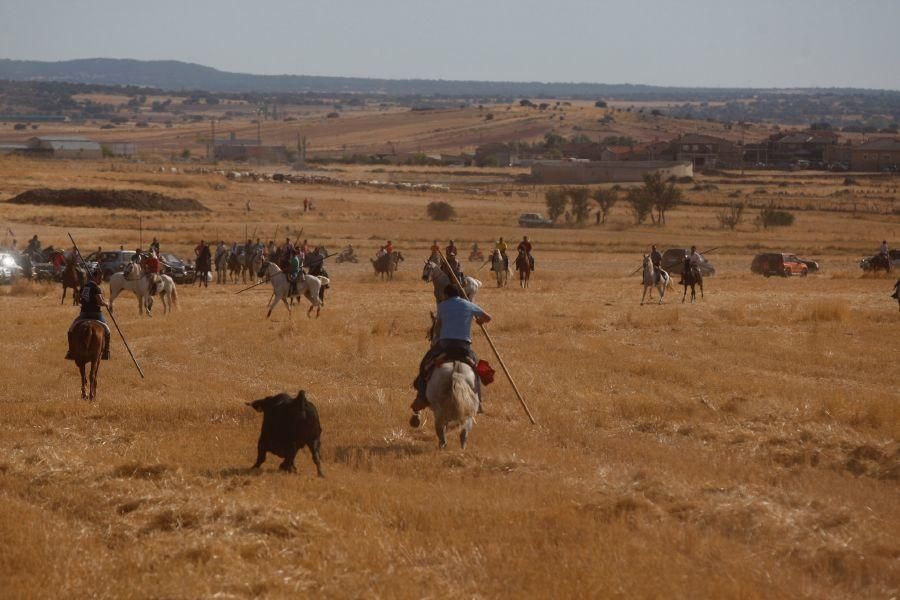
(324,280)
(464,402)
(669,285)
(174,297)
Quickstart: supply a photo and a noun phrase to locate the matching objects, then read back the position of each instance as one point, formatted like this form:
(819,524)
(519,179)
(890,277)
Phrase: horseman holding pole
(92,301)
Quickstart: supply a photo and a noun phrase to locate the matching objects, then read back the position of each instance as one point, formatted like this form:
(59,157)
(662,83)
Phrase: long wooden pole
(491,343)
(111,316)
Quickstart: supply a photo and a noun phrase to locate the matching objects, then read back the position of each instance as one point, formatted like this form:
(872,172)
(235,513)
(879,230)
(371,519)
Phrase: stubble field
(744,446)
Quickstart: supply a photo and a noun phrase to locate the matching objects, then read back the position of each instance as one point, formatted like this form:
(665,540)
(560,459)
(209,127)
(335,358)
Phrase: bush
(440,211)
(772,217)
(332,115)
(731,215)
(605,200)
(600,104)
(850,181)
(641,204)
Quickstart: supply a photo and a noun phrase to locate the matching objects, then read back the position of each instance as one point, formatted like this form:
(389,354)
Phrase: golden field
(743,446)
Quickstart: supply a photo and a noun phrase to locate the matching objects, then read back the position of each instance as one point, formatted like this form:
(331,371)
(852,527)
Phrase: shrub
(731,215)
(850,181)
(772,217)
(332,115)
(440,210)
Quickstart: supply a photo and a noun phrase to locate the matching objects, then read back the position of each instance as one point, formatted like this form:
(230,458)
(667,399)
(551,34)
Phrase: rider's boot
(69,354)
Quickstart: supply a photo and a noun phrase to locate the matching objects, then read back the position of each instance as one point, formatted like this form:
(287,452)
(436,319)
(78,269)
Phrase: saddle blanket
(80,319)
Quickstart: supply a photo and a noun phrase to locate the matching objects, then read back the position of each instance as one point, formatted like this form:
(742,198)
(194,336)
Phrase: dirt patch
(133,199)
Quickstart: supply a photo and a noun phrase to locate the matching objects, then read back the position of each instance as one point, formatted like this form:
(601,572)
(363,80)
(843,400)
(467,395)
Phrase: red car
(776,263)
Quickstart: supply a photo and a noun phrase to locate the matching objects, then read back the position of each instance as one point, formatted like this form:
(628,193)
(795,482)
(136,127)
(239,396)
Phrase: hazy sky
(756,43)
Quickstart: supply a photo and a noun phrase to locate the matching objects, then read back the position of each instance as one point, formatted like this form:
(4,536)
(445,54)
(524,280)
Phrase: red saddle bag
(485,372)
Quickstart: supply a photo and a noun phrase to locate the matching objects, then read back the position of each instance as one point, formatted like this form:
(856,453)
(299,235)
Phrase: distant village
(578,160)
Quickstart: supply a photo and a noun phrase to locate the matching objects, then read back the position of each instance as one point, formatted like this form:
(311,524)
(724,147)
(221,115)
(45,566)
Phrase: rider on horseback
(525,246)
(91,301)
(150,264)
(295,272)
(454,327)
(501,246)
(656,261)
(451,249)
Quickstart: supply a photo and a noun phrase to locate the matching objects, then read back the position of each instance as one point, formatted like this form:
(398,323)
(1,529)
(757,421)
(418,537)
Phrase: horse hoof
(415,421)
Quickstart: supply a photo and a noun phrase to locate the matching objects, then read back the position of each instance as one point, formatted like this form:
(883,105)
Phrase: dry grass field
(745,446)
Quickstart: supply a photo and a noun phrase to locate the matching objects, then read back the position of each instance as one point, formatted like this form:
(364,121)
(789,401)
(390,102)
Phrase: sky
(717,43)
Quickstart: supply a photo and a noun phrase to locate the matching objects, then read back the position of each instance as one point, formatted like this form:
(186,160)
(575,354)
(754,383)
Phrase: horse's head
(398,256)
(132,271)
(263,269)
(428,270)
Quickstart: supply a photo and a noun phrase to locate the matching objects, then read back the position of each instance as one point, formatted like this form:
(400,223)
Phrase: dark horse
(73,277)
(386,264)
(523,266)
(87,347)
(691,276)
(880,262)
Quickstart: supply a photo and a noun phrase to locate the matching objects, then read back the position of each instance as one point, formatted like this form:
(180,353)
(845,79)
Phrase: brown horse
(523,266)
(73,277)
(386,265)
(691,276)
(87,347)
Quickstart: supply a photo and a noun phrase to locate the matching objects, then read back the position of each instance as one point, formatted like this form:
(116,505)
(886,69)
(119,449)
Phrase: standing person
(435,251)
(34,245)
(454,333)
(525,246)
(91,302)
(150,265)
(13,248)
(295,272)
(305,204)
(883,250)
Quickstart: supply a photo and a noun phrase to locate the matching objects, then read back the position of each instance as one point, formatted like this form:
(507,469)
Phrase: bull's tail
(464,402)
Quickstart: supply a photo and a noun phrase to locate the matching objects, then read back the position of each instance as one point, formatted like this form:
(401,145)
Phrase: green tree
(663,196)
(580,199)
(641,204)
(605,200)
(556,202)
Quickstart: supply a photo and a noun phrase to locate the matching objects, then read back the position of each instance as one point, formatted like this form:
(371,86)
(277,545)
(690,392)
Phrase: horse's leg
(441,429)
(684,295)
(95,369)
(84,395)
(662,292)
(643,294)
(63,299)
(464,434)
(701,289)
(316,456)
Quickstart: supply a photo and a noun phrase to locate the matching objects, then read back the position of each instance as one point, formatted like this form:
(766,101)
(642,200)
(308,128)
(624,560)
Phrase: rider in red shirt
(389,247)
(525,246)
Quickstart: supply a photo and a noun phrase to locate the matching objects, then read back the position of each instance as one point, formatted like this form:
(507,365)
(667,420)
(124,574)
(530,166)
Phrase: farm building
(876,155)
(706,151)
(603,171)
(64,146)
(249,151)
(120,148)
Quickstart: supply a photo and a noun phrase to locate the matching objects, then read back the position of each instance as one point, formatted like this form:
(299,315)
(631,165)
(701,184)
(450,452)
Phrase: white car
(534,220)
(9,268)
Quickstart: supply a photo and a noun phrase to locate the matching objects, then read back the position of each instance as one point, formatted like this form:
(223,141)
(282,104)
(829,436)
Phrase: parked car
(673,262)
(534,220)
(778,263)
(177,269)
(110,262)
(9,268)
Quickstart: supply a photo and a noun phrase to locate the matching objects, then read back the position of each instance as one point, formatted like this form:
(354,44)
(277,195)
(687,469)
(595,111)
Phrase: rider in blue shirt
(454,324)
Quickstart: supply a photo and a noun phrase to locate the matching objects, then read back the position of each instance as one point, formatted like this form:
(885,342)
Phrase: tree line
(651,200)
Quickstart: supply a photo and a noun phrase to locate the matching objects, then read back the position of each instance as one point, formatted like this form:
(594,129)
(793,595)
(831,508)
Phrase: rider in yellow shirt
(501,246)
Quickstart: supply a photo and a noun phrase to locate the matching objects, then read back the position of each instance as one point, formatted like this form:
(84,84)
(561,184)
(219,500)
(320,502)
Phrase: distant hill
(175,76)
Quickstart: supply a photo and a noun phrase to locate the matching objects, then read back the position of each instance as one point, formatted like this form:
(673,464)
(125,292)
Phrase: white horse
(436,276)
(221,261)
(132,279)
(499,268)
(650,280)
(255,265)
(451,395)
(309,288)
(168,293)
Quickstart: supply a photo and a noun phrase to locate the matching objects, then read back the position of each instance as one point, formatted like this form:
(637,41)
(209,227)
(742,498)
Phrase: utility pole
(259,127)
(212,144)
